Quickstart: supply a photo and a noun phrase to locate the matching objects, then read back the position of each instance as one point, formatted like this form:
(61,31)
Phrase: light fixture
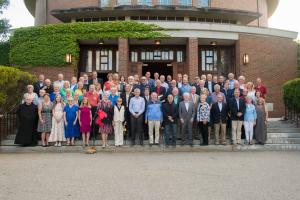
(214,43)
(246,59)
(157,42)
(68,58)
(101,42)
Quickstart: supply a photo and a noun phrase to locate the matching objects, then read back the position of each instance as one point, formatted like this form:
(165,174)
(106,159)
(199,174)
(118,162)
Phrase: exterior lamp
(157,42)
(101,42)
(246,59)
(68,58)
(213,43)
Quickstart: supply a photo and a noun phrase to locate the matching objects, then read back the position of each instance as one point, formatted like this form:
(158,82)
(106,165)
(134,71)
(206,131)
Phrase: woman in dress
(63,91)
(71,122)
(27,115)
(107,107)
(57,134)
(122,84)
(69,95)
(260,130)
(203,119)
(249,120)
(45,119)
(85,121)
(54,93)
(119,118)
(32,95)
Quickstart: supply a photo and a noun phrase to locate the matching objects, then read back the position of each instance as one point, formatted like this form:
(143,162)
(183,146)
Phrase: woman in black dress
(27,115)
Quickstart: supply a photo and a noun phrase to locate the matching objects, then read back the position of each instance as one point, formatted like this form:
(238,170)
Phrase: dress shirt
(220,106)
(137,105)
(237,103)
(186,105)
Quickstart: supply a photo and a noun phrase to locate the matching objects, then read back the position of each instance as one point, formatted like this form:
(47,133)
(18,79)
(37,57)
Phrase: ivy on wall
(291,94)
(47,45)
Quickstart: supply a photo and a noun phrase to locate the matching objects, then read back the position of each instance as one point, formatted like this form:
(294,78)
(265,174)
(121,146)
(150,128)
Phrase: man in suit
(195,98)
(60,81)
(125,96)
(187,116)
(237,109)
(219,112)
(236,85)
(172,85)
(142,85)
(160,90)
(209,84)
(95,79)
(39,84)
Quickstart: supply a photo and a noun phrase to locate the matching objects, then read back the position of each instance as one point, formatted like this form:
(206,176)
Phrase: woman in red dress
(85,121)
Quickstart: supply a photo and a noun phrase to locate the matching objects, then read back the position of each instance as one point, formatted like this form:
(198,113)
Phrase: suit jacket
(197,100)
(124,100)
(163,93)
(170,110)
(233,109)
(37,87)
(91,82)
(212,85)
(189,114)
(218,116)
(230,93)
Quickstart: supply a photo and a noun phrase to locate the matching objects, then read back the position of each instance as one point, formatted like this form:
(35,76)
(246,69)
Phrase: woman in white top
(119,118)
(251,92)
(31,94)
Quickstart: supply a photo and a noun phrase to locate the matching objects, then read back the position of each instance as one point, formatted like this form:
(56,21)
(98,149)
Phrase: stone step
(283,135)
(161,148)
(283,141)
(283,130)
(281,124)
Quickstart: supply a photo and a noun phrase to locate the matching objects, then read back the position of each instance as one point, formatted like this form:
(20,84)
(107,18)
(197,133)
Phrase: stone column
(40,12)
(123,56)
(192,57)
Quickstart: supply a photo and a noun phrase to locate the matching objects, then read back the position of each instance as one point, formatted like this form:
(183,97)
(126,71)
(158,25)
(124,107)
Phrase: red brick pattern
(123,56)
(192,57)
(273,59)
(52,72)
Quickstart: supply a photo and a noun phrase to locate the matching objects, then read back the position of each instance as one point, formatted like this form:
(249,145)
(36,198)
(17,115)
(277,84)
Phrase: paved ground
(150,175)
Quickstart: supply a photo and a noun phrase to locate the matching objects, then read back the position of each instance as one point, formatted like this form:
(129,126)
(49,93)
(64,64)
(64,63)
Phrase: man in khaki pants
(153,117)
(237,109)
(219,115)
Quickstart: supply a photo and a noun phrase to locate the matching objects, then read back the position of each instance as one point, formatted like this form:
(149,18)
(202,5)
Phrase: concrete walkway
(150,175)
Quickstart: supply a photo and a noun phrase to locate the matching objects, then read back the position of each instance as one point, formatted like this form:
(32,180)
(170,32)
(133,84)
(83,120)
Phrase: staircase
(282,136)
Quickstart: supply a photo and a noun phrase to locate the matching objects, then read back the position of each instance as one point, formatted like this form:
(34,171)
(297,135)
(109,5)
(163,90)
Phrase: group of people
(141,107)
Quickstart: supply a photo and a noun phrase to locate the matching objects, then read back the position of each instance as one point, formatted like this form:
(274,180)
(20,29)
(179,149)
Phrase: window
(124,2)
(134,56)
(179,56)
(145,2)
(104,60)
(89,67)
(157,55)
(185,2)
(203,3)
(104,3)
(209,60)
(164,2)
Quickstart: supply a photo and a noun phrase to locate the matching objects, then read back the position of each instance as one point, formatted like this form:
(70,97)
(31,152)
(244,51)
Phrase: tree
(4,23)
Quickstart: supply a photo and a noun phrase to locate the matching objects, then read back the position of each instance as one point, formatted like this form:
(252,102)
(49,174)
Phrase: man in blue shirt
(136,109)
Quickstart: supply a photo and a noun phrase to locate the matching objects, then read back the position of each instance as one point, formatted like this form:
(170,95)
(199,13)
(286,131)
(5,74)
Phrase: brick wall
(192,57)
(123,56)
(52,72)
(273,59)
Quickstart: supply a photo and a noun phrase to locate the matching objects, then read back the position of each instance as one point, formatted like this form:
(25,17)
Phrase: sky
(287,15)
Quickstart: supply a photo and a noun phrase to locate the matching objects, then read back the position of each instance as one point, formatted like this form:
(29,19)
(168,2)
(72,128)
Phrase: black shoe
(203,144)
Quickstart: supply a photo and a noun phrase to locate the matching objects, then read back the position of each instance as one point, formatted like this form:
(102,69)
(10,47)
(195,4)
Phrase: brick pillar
(195,3)
(192,57)
(123,56)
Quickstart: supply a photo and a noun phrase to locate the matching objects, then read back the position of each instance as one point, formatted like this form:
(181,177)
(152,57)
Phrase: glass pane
(104,3)
(171,55)
(143,56)
(117,61)
(164,2)
(124,2)
(209,60)
(145,2)
(89,67)
(97,60)
(185,2)
(203,60)
(110,60)
(104,59)
(203,3)
(215,60)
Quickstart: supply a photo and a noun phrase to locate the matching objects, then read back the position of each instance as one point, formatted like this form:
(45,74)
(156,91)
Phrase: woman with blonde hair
(31,95)
(85,121)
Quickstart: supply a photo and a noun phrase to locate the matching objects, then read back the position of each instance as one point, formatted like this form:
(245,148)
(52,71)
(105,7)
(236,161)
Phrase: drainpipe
(257,5)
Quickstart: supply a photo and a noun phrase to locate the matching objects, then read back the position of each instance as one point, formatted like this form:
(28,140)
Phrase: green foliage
(47,45)
(13,83)
(4,23)
(298,56)
(4,53)
(291,94)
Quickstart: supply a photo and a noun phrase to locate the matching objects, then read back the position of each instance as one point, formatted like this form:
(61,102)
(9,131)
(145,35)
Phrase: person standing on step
(45,119)
(260,130)
(153,118)
(85,121)
(119,122)
(57,134)
(203,119)
(186,115)
(219,114)
(249,120)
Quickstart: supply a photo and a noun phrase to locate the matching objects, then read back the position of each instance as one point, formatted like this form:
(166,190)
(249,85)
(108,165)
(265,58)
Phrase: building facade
(207,36)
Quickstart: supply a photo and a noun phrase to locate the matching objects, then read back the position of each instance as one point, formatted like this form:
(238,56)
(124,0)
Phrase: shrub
(291,94)
(13,83)
(47,45)
(4,53)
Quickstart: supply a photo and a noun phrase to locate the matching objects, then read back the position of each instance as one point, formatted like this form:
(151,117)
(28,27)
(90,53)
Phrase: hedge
(298,56)
(13,83)
(47,45)
(291,94)
(4,53)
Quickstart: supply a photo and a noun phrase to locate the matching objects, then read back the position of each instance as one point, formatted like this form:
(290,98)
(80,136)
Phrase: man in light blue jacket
(154,118)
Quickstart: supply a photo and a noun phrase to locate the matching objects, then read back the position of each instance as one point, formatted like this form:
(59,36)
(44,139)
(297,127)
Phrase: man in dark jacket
(170,114)
(219,113)
(95,79)
(237,109)
(40,84)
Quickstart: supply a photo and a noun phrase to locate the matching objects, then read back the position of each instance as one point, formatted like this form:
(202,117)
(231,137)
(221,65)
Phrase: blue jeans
(170,130)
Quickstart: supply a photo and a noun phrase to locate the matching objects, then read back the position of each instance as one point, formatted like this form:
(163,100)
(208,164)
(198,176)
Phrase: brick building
(208,36)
